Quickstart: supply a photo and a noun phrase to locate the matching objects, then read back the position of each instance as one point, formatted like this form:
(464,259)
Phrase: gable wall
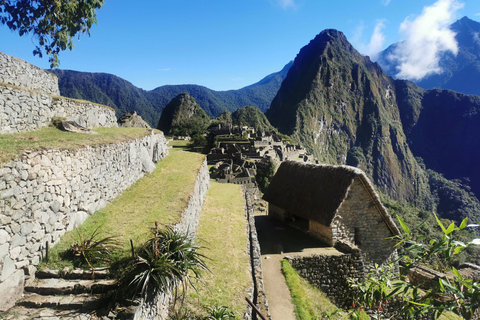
(359,211)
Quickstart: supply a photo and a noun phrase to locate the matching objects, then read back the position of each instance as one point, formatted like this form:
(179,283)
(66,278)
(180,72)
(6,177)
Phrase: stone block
(11,289)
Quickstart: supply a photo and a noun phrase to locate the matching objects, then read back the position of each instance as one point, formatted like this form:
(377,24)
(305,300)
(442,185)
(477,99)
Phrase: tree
(454,292)
(53,23)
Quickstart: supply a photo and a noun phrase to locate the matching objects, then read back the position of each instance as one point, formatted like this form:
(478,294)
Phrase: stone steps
(66,295)
(63,286)
(82,301)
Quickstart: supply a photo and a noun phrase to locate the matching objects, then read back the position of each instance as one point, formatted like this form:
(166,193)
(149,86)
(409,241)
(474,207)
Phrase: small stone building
(336,204)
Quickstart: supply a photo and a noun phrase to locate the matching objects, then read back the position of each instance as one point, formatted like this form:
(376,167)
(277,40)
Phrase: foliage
(265,174)
(453,292)
(374,293)
(90,250)
(219,313)
(166,260)
(52,23)
(252,117)
(199,140)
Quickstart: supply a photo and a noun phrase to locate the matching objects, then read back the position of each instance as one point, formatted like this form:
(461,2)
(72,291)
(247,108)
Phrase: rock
(72,126)
(11,289)
(146,159)
(8,269)
(132,120)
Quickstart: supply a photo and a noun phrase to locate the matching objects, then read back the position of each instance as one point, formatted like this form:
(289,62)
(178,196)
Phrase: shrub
(168,259)
(88,250)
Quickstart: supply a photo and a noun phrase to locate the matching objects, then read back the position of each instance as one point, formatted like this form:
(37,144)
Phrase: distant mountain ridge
(461,73)
(345,110)
(123,96)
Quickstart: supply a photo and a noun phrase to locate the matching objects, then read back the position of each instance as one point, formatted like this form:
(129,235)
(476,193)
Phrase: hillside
(183,117)
(123,96)
(461,72)
(345,110)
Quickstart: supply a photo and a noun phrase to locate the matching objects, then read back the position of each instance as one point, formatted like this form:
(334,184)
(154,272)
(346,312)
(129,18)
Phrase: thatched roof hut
(317,192)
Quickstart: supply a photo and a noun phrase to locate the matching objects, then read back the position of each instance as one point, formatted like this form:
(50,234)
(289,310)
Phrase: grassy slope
(160,196)
(223,232)
(12,145)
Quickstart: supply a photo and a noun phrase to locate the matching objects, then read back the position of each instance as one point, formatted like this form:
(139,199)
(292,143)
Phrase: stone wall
(258,295)
(43,194)
(25,110)
(330,273)
(359,221)
(157,308)
(17,72)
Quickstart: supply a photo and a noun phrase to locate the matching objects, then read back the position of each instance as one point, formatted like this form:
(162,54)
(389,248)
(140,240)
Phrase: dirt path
(278,295)
(274,235)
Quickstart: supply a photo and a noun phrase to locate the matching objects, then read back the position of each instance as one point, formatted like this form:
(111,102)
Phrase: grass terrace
(159,196)
(14,144)
(223,232)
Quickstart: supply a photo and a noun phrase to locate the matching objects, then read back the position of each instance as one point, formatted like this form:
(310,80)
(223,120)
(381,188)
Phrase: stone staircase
(66,295)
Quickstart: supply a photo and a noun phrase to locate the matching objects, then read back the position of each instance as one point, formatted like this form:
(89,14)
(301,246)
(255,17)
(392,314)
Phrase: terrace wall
(43,194)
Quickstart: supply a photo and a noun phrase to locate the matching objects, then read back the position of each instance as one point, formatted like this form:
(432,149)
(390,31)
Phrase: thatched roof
(316,192)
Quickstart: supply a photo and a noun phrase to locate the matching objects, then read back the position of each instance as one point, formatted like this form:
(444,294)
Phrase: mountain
(459,73)
(252,117)
(183,117)
(124,97)
(345,110)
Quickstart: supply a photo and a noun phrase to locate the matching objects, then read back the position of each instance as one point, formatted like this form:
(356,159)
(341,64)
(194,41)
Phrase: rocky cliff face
(343,108)
(346,110)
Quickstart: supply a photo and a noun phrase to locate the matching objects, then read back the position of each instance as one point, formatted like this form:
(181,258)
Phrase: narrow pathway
(274,236)
(278,294)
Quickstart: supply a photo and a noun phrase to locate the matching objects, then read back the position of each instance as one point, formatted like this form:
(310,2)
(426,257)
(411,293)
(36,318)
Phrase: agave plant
(166,260)
(90,250)
(220,313)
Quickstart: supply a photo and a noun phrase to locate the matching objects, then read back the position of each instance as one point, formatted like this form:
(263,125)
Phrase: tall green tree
(53,23)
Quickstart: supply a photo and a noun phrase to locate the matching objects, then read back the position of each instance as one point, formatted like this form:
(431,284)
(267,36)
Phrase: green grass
(13,145)
(160,196)
(309,302)
(223,232)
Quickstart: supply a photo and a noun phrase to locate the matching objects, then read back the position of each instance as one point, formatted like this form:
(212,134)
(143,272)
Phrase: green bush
(165,261)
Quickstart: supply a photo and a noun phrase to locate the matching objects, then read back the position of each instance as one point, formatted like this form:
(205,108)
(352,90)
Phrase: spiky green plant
(167,260)
(90,250)
(219,313)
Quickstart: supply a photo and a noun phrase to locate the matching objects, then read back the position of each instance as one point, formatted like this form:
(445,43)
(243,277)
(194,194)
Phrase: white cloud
(476,37)
(386,2)
(377,40)
(427,37)
(285,4)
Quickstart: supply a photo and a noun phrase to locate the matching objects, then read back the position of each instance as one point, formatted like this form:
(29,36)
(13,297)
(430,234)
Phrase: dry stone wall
(25,110)
(157,307)
(17,72)
(30,98)
(43,194)
(330,273)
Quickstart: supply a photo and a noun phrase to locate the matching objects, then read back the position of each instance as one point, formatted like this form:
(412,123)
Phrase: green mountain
(123,96)
(183,117)
(345,110)
(460,72)
(251,117)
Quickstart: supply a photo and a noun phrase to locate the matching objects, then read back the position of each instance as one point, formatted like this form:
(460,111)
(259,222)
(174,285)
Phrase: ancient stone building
(336,204)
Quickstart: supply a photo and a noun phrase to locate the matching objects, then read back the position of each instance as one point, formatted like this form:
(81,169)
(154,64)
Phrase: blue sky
(231,44)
